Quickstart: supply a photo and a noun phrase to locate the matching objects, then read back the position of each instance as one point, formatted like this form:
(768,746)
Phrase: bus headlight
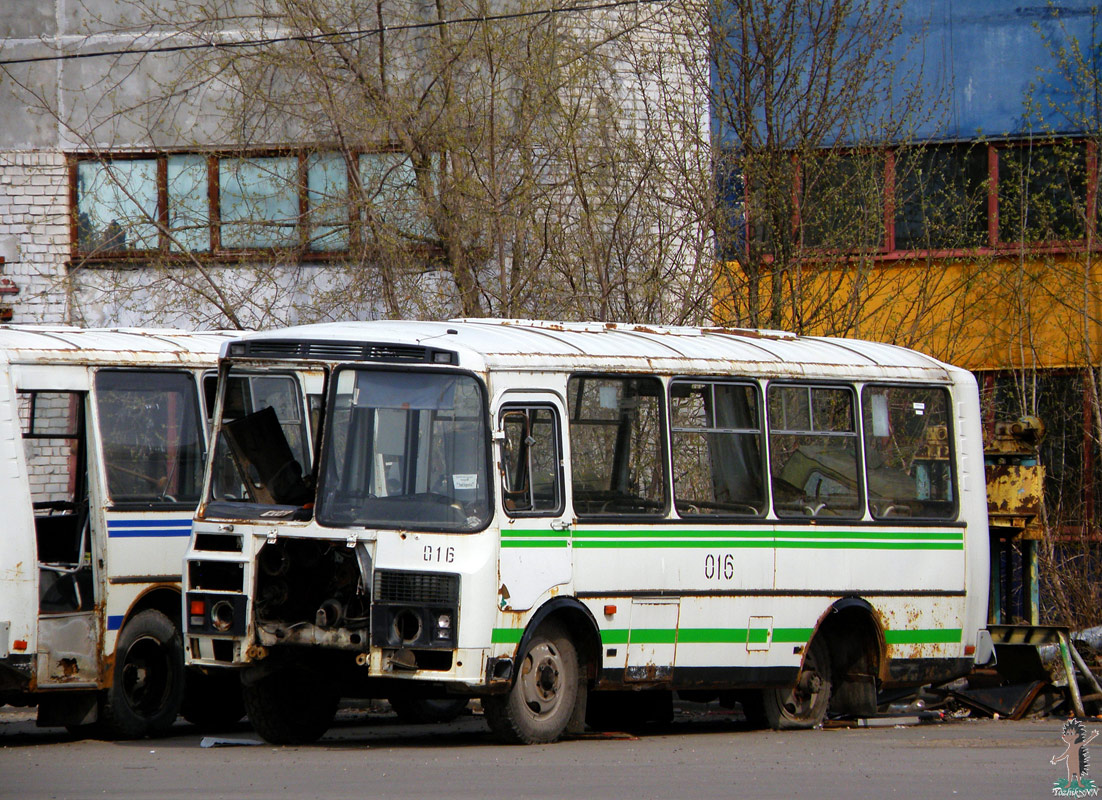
(443,626)
(221,616)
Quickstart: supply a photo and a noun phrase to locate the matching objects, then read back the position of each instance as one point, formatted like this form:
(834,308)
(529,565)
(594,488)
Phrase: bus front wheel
(289,706)
(804,704)
(540,704)
(148,682)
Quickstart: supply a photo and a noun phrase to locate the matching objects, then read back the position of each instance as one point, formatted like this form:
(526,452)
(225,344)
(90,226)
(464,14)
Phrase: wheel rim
(145,675)
(800,702)
(541,679)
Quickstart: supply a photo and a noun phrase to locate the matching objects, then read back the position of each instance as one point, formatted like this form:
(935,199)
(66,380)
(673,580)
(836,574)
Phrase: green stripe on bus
(621,636)
(704,635)
(757,536)
(670,534)
(508,533)
(788,545)
(506,635)
(506,543)
(805,539)
(924,636)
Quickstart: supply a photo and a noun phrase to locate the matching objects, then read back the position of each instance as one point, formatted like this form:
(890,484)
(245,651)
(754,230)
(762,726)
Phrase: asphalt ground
(705,752)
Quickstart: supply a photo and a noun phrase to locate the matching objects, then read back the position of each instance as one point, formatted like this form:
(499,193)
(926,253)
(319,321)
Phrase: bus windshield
(262,454)
(406,450)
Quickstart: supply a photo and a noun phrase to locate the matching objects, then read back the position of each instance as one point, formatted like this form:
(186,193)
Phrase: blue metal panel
(979,60)
(983,56)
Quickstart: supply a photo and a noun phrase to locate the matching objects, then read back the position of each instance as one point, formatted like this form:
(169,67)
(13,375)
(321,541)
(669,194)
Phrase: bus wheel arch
(855,638)
(555,662)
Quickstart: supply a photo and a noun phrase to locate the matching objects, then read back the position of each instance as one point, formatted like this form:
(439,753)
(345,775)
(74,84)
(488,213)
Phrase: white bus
(551,516)
(103,438)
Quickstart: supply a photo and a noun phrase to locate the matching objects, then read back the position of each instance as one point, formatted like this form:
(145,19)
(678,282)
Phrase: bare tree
(807,97)
(414,159)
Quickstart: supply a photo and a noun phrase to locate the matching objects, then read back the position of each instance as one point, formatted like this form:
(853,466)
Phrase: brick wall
(34,233)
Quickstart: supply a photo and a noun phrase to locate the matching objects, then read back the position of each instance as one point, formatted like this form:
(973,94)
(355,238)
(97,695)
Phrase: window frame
(992,245)
(558,456)
(860,512)
(306,226)
(203,439)
(663,454)
(950,443)
(761,433)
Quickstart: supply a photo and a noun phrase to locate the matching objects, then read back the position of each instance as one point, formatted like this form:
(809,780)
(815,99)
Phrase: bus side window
(813,451)
(616,455)
(530,461)
(908,457)
(717,449)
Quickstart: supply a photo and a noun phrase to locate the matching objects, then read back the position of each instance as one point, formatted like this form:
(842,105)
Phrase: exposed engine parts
(307,581)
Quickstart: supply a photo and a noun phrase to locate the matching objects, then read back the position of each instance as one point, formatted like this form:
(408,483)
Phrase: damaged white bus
(102,444)
(554,517)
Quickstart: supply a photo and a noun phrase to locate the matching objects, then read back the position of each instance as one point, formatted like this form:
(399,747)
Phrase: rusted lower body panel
(703,678)
(67,650)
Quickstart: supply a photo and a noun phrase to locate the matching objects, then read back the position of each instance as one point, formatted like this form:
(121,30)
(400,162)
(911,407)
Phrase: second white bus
(555,516)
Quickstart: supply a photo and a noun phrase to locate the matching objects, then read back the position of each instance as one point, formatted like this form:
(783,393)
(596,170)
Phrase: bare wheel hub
(540,678)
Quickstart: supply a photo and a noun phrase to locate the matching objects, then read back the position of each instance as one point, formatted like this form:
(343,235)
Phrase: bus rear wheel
(540,704)
(804,704)
(148,683)
(289,707)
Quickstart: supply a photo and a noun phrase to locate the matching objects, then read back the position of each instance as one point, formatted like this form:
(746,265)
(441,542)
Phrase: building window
(841,201)
(390,193)
(221,205)
(1042,192)
(116,210)
(940,197)
(258,201)
(951,198)
(327,199)
(188,192)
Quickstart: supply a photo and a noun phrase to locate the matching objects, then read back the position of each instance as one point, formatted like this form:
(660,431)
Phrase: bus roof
(41,344)
(540,345)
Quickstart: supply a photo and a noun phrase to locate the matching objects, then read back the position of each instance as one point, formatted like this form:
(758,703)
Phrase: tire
(288,707)
(148,681)
(426,710)
(540,704)
(753,708)
(212,700)
(803,705)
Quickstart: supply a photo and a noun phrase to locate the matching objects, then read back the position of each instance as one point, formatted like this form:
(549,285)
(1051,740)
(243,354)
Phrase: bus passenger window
(530,461)
(907,454)
(615,446)
(152,436)
(813,451)
(717,449)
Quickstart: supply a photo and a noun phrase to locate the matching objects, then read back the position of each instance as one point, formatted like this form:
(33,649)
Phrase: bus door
(54,431)
(535,533)
(150,433)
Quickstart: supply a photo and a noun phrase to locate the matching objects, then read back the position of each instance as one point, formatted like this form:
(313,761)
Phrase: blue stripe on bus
(114,621)
(135,528)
